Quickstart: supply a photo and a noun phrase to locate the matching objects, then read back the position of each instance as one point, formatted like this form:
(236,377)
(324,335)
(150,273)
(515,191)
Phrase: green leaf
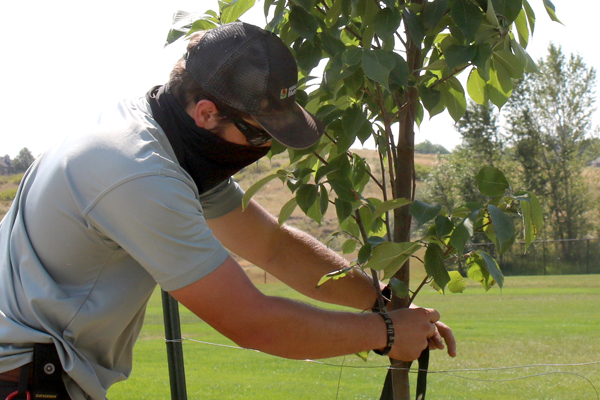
(461,235)
(286,211)
(457,283)
(500,84)
(423,212)
(415,26)
(522,28)
(492,267)
(478,272)
(388,206)
(434,265)
(333,13)
(510,62)
(182,21)
(457,55)
(377,65)
(399,74)
(255,188)
(398,288)
(503,227)
(349,246)
(491,181)
(364,253)
(482,60)
(235,10)
(303,23)
(467,16)
(309,55)
(352,55)
(306,4)
(201,25)
(443,226)
(343,209)
(477,87)
(530,15)
(314,212)
(551,11)
(352,120)
(523,57)
(430,97)
(490,14)
(343,188)
(323,200)
(335,275)
(509,9)
(533,217)
(386,22)
(453,95)
(389,257)
(433,12)
(331,44)
(306,196)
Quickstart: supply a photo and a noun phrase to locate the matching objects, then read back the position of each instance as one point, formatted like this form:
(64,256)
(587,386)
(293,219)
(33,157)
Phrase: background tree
(427,147)
(23,160)
(550,126)
(385,63)
(451,182)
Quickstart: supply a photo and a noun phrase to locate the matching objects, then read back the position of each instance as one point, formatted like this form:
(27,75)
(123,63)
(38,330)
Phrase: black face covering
(205,156)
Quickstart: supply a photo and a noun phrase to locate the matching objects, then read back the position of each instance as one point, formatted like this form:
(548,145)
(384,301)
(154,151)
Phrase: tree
(451,181)
(386,62)
(481,133)
(550,126)
(23,160)
(427,147)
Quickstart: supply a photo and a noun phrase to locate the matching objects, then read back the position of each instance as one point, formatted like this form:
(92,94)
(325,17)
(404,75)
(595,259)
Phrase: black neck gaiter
(205,156)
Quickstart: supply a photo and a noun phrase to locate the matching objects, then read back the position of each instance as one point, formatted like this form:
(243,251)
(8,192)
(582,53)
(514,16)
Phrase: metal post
(587,259)
(544,255)
(174,347)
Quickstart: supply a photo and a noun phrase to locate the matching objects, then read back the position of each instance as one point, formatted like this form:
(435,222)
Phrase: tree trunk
(404,188)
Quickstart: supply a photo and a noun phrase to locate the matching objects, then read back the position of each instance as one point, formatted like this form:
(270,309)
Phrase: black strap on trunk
(422,374)
(47,373)
(387,392)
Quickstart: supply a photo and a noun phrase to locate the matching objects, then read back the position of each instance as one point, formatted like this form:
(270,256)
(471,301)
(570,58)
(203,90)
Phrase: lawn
(531,323)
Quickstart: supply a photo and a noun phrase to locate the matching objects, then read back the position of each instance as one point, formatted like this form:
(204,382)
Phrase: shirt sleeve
(159,222)
(223,198)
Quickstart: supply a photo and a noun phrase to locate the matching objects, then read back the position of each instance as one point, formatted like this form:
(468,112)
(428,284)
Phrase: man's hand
(416,329)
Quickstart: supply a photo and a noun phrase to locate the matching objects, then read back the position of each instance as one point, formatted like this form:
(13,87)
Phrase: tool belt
(39,380)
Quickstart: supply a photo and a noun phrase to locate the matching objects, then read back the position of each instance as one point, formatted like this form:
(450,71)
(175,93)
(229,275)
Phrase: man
(147,197)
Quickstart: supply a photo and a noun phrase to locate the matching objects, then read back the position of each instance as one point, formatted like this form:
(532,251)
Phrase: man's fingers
(446,333)
(434,315)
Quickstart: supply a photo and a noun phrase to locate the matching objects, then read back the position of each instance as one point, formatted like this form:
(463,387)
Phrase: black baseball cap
(253,71)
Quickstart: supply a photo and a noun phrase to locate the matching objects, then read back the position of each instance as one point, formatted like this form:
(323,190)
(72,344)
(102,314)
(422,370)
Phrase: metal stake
(174,347)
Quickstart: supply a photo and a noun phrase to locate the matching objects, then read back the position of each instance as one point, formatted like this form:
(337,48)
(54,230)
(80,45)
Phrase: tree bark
(404,171)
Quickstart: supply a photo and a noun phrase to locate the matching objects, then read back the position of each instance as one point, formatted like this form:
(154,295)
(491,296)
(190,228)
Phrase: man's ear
(205,114)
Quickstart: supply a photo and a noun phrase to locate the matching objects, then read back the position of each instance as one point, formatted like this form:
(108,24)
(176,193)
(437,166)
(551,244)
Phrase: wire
(450,372)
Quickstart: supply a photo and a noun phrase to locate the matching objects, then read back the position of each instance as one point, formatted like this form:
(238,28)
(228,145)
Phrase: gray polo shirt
(98,221)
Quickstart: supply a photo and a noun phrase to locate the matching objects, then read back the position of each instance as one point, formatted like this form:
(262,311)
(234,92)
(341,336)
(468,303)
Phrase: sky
(62,61)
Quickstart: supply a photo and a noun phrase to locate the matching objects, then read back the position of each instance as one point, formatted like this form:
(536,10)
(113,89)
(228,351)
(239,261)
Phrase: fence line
(548,257)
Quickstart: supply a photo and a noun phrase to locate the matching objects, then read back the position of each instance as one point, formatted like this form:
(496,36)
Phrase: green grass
(533,320)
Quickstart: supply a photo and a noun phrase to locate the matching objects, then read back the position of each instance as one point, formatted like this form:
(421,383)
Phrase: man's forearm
(300,261)
(295,330)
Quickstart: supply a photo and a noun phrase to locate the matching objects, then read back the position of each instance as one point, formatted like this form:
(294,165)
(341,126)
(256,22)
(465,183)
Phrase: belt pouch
(47,373)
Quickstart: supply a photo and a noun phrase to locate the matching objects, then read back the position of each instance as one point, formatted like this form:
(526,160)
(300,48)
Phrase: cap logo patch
(287,92)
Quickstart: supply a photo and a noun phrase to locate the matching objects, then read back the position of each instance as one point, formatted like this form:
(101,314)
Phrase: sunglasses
(255,136)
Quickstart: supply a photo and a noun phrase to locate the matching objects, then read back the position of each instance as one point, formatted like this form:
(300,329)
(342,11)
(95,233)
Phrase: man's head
(250,75)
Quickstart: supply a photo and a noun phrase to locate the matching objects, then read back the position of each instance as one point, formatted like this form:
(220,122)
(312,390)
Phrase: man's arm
(292,256)
(228,301)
